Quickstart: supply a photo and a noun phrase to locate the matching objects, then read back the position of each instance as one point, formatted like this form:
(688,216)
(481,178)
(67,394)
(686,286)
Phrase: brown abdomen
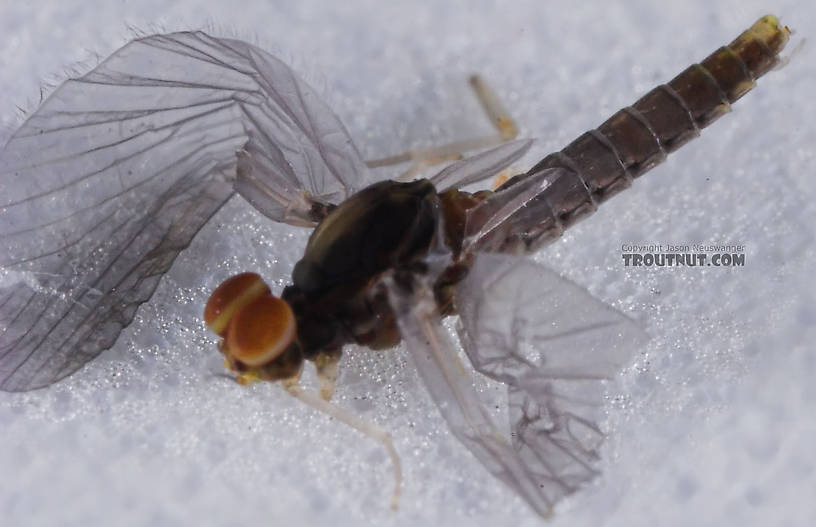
(605,160)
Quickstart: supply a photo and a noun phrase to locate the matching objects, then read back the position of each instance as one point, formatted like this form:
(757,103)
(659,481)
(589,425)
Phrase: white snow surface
(713,424)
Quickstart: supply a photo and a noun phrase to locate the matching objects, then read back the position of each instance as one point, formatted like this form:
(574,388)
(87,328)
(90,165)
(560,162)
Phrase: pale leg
(422,158)
(327,365)
(369,430)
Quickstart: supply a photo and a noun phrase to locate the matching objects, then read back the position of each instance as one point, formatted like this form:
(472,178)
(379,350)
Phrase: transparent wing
(521,209)
(116,172)
(553,344)
(480,166)
(451,388)
(298,150)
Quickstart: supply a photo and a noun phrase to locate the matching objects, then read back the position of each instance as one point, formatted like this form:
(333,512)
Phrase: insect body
(385,261)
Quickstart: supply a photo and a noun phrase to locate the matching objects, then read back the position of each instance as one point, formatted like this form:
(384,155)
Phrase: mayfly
(117,171)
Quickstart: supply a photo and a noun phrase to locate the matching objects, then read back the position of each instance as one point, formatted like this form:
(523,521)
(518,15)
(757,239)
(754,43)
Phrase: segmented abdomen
(635,139)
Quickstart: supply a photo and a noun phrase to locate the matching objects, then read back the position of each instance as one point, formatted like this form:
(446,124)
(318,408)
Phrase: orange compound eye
(260,331)
(233,294)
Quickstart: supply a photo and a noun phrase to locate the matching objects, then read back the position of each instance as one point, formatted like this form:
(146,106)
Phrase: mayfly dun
(118,170)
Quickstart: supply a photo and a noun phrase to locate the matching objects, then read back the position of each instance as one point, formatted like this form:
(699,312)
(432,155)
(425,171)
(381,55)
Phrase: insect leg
(369,430)
(421,158)
(494,109)
(327,369)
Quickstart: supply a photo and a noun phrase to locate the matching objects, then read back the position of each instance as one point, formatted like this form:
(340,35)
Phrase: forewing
(513,210)
(116,172)
(451,388)
(553,344)
(296,143)
(481,166)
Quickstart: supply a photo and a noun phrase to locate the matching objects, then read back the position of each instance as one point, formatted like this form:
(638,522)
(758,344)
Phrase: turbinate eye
(256,326)
(233,294)
(260,331)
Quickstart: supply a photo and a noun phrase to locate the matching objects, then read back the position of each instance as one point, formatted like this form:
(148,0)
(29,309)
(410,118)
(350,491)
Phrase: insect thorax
(385,226)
